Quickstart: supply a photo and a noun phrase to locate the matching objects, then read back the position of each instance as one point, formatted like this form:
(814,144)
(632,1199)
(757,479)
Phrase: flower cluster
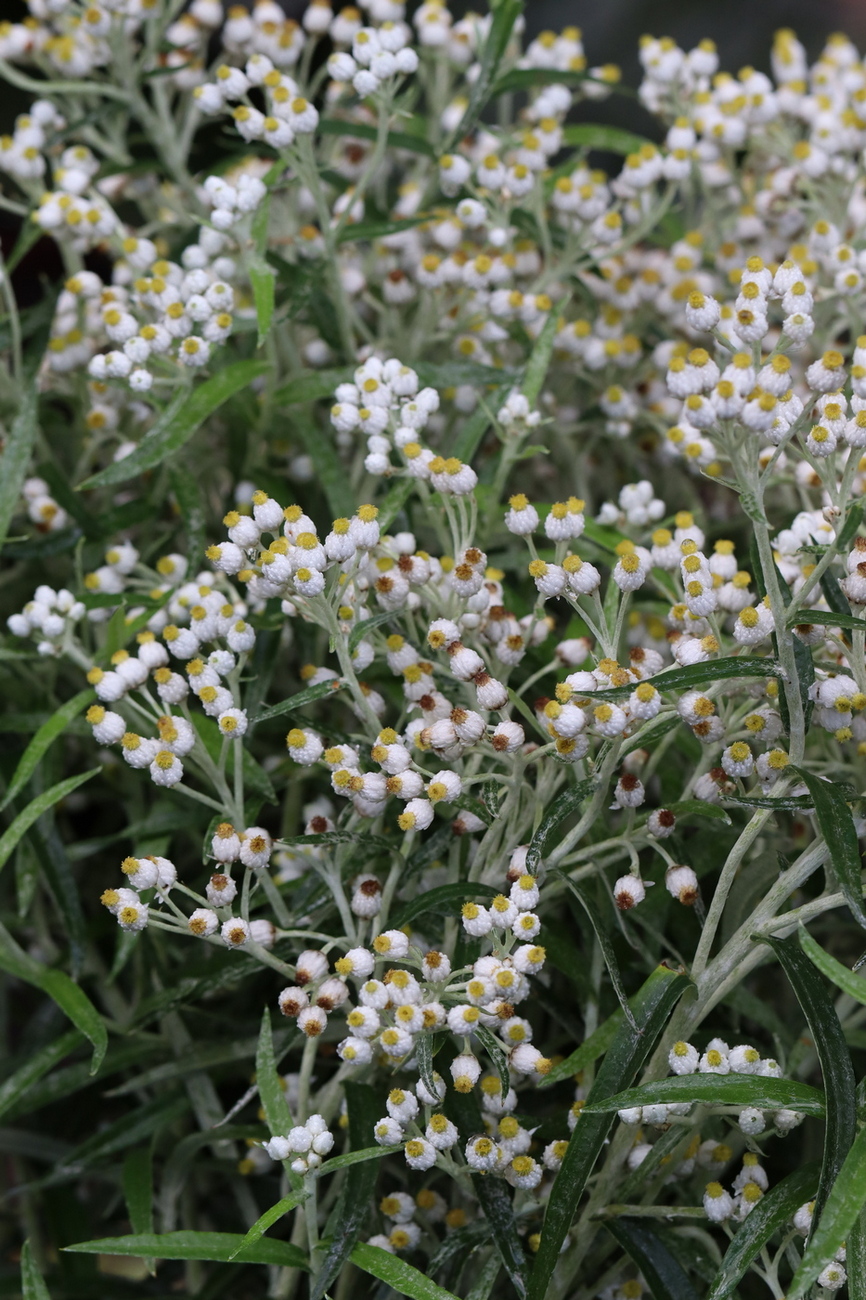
(523,685)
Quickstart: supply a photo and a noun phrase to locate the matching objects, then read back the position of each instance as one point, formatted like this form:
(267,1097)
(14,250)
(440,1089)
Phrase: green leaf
(16,455)
(713,670)
(35,810)
(652,1005)
(469,803)
(17,1085)
(594,135)
(450,374)
(271,1092)
(566,802)
(645,1246)
(398,494)
(331,474)
(263,280)
(539,359)
(356,1197)
(853,520)
(41,742)
(496,1052)
(846,980)
(355,231)
(718,1090)
(650,733)
(399,1276)
(834,1056)
(308,696)
(784,803)
(137,1180)
(255,776)
(527,78)
(360,630)
(470,436)
(32,1285)
(311,386)
(137,1183)
(698,808)
(492,1194)
(836,824)
(827,618)
(590,1050)
(217,1247)
(424,1057)
(773,1213)
(178,423)
(187,491)
(855,1265)
(362,131)
(504,16)
(336,1163)
(268,1219)
(833,594)
(485,1279)
(71,999)
(844,1203)
(604,942)
(442,900)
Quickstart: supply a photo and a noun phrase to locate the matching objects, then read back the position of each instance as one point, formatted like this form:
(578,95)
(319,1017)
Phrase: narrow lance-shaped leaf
(442,899)
(496,1052)
(187,491)
(32,1284)
(330,471)
(837,827)
(311,386)
(566,803)
(827,618)
(263,281)
(662,1271)
(492,1193)
(42,741)
(842,1207)
(300,699)
(397,1274)
(590,1050)
(336,1163)
(604,942)
(505,15)
(424,1057)
(137,1182)
(358,1190)
(834,1056)
(772,1214)
(718,1090)
(652,1006)
(16,456)
(179,422)
(595,135)
(271,1094)
(539,360)
(18,1085)
(267,1220)
(218,1247)
(363,131)
(71,999)
(703,674)
(840,975)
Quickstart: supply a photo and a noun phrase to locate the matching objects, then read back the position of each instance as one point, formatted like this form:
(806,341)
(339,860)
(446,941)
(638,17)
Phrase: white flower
(718,1204)
(628,891)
